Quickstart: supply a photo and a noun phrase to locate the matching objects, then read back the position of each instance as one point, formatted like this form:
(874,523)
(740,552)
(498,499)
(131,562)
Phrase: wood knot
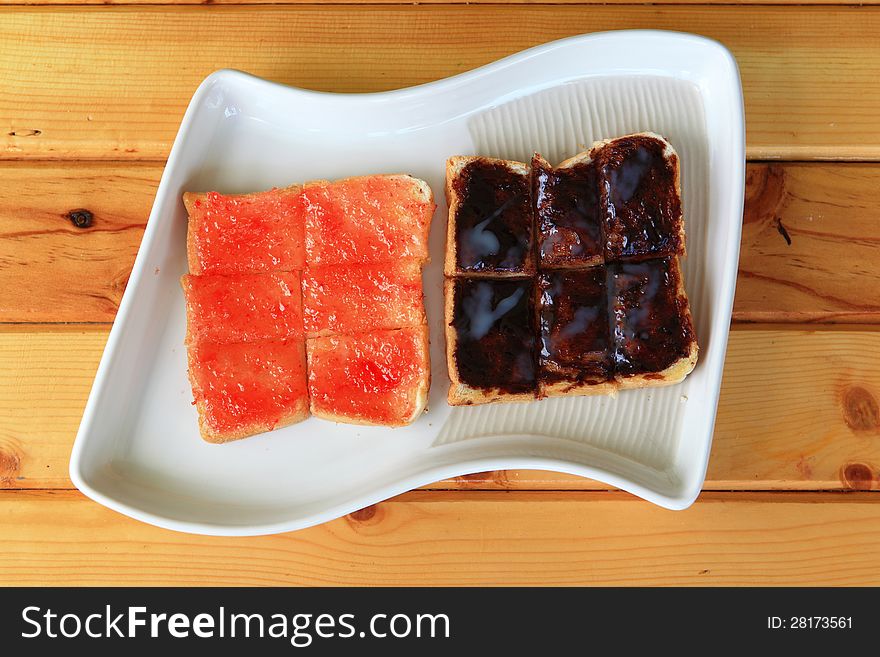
(10,465)
(765,192)
(857,476)
(81,218)
(860,410)
(363,515)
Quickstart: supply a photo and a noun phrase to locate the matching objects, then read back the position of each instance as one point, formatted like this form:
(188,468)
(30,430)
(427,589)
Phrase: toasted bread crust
(189,202)
(673,374)
(572,388)
(462,395)
(300,413)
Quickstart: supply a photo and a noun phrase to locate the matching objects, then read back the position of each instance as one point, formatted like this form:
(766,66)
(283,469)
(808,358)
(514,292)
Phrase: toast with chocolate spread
(599,305)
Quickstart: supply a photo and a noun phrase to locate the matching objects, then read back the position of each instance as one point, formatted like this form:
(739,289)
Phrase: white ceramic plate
(138,449)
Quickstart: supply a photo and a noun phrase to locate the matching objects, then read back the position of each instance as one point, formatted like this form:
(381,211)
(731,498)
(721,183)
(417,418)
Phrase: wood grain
(422,2)
(810,245)
(44,382)
(485,538)
(813,424)
(70,91)
(50,268)
(51,271)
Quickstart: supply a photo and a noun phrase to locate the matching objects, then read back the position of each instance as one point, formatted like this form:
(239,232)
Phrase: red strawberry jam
(243,307)
(367,219)
(254,233)
(379,377)
(355,298)
(247,388)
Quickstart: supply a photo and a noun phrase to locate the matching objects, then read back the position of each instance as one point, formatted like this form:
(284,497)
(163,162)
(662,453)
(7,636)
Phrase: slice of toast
(610,309)
(654,342)
(567,217)
(248,388)
(367,219)
(574,326)
(489,230)
(242,307)
(640,197)
(374,378)
(490,340)
(362,297)
(249,233)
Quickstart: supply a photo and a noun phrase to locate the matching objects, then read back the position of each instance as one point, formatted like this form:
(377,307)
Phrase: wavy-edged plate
(138,450)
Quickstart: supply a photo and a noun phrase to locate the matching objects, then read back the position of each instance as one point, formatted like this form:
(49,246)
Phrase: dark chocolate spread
(495,325)
(649,331)
(642,209)
(494,219)
(605,300)
(574,326)
(567,214)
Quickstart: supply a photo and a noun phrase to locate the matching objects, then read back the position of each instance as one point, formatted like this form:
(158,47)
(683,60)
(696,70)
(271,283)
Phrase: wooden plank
(422,2)
(485,538)
(798,410)
(51,270)
(45,379)
(71,91)
(810,245)
(55,272)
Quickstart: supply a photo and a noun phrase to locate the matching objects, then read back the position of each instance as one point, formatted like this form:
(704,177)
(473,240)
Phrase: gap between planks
(367,3)
(608,495)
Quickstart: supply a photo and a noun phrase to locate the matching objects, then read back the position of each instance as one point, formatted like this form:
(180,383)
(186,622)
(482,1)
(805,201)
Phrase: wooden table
(90,101)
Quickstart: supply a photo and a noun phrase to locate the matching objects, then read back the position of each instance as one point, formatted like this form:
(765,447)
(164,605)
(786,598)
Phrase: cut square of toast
(491,340)
(653,336)
(247,388)
(566,203)
(378,377)
(251,233)
(367,220)
(640,195)
(489,231)
(362,297)
(575,333)
(242,307)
